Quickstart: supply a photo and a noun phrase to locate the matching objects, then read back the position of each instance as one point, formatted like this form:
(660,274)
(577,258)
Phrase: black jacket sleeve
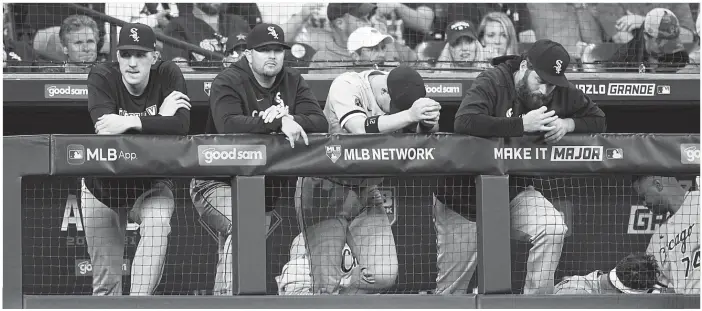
(227,112)
(586,115)
(475,115)
(308,113)
(179,123)
(101,100)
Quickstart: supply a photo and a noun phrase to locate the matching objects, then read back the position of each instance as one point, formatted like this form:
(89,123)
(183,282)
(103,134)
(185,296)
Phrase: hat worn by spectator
(366,37)
(550,61)
(460,29)
(136,36)
(359,10)
(236,41)
(265,34)
(661,24)
(405,86)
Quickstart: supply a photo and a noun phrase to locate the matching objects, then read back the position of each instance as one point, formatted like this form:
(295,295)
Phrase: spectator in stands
(497,35)
(635,274)
(344,19)
(656,45)
(79,38)
(511,100)
(15,53)
(517,13)
(694,65)
(156,15)
(206,27)
(234,53)
(615,22)
(410,22)
(463,48)
(397,53)
(256,95)
(46,19)
(293,17)
(367,47)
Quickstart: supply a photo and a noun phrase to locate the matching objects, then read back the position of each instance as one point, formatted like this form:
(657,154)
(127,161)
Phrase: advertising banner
(370,155)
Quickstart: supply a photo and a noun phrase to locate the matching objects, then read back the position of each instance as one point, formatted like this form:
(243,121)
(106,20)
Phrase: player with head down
(258,95)
(635,274)
(522,95)
(358,102)
(676,243)
(136,95)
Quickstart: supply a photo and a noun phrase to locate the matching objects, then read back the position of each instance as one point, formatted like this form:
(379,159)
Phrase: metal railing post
(248,235)
(494,256)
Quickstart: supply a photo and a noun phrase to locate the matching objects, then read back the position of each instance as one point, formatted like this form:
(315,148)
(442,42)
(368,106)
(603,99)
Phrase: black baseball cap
(360,10)
(136,36)
(265,34)
(235,41)
(460,29)
(405,86)
(550,61)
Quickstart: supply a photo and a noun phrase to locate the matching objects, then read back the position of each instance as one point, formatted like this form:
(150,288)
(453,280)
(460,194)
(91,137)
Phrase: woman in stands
(497,34)
(463,48)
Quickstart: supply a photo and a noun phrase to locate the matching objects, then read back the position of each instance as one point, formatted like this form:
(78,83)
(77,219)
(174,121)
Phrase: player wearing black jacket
(136,95)
(255,95)
(526,94)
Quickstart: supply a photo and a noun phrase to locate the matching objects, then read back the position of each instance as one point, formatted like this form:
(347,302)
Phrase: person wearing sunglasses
(257,95)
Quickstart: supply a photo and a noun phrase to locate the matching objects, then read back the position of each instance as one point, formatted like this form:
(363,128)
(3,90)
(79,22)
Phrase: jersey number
(695,262)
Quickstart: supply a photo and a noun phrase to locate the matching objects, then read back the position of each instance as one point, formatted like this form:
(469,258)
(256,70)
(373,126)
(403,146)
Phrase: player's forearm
(394,122)
(313,123)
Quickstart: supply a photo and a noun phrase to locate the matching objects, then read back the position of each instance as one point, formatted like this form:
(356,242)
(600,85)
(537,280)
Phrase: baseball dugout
(42,181)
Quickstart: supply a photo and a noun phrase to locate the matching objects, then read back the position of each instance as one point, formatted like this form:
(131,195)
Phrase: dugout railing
(452,155)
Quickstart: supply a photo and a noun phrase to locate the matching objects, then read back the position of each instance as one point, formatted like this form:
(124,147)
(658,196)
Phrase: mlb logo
(614,153)
(76,154)
(333,152)
(664,90)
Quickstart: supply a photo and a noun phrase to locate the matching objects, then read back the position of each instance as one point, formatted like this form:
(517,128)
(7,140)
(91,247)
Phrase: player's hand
(424,109)
(538,120)
(112,124)
(293,131)
(560,128)
(173,102)
(272,113)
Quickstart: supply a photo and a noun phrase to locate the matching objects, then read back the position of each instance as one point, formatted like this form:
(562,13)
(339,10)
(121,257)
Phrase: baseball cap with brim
(366,37)
(136,36)
(663,26)
(405,86)
(550,60)
(266,34)
(460,29)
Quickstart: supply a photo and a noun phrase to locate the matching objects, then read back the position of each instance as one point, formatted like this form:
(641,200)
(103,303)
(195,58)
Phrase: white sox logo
(271,31)
(134,34)
(333,152)
(558,66)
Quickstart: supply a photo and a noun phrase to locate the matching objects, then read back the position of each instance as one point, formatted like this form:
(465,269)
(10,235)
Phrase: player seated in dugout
(635,274)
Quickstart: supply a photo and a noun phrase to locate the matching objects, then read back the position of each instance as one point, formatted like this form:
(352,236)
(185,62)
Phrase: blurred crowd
(330,37)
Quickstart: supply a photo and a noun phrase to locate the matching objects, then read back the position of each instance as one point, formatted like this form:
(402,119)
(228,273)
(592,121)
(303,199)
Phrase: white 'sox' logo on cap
(134,34)
(558,66)
(271,31)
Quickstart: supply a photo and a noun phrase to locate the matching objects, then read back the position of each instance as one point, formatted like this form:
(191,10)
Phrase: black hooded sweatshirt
(236,100)
(491,108)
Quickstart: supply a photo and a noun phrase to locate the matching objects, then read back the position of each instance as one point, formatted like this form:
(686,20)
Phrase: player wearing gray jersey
(676,243)
(366,102)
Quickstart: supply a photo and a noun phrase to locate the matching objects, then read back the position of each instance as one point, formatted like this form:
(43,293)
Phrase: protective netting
(431,36)
(407,235)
